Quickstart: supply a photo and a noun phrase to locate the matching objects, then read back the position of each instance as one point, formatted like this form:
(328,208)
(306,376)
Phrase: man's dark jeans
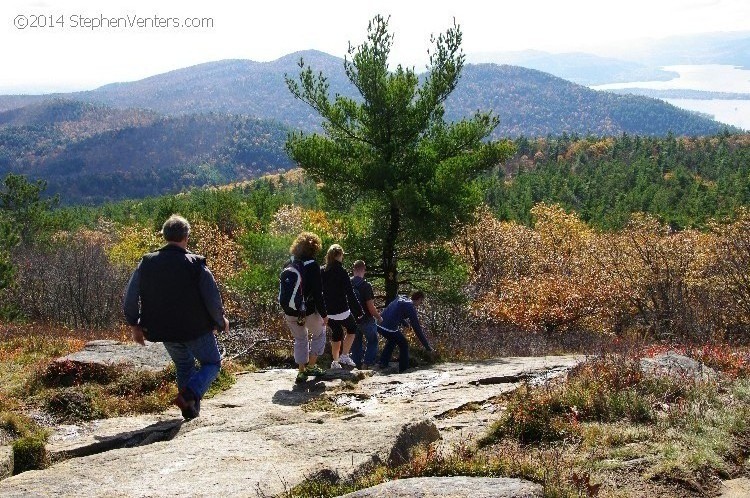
(367,330)
(394,338)
(183,354)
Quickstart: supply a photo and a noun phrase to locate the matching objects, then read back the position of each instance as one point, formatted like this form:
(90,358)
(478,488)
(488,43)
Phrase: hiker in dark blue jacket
(400,312)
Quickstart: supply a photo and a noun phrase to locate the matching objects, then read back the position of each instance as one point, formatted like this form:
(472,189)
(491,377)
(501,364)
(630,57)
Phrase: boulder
(451,487)
(152,357)
(677,365)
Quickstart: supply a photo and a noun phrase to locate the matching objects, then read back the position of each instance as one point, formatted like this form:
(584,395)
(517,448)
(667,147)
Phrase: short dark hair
(358,265)
(175,229)
(417,295)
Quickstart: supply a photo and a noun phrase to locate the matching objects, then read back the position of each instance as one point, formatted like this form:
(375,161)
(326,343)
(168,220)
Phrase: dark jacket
(337,291)
(363,290)
(175,291)
(312,289)
(401,311)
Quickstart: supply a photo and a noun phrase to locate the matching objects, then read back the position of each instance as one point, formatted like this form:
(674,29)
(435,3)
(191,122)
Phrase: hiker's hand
(226,325)
(138,336)
(431,354)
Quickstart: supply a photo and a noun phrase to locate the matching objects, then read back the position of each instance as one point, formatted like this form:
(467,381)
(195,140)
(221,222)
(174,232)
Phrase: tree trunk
(390,266)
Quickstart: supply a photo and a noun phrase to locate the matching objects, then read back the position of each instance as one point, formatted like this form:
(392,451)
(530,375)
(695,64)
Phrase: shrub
(533,417)
(68,373)
(72,282)
(18,425)
(74,404)
(30,452)
(133,382)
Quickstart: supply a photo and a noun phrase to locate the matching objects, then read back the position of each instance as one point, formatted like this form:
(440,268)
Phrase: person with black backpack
(301,298)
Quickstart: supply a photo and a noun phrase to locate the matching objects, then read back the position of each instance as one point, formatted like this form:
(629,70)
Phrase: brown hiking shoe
(186,402)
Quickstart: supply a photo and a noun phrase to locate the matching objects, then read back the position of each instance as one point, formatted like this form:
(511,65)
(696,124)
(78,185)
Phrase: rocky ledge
(266,434)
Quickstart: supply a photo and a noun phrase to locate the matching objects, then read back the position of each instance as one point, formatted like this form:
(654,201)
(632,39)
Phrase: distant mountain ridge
(582,68)
(228,120)
(637,60)
(534,103)
(731,48)
(258,89)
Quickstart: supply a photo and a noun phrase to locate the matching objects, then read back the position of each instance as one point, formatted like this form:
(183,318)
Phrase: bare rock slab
(735,488)
(152,357)
(451,487)
(98,436)
(267,434)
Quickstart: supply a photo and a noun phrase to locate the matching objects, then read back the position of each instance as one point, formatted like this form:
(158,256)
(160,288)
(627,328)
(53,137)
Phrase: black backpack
(291,292)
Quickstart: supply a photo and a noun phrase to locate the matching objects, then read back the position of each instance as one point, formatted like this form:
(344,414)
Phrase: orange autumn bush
(540,278)
(561,274)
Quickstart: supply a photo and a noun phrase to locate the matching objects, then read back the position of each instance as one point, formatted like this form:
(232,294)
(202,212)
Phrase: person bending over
(398,313)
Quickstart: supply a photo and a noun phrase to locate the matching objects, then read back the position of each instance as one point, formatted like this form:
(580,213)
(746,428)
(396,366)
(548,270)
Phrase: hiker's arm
(212,299)
(414,322)
(130,305)
(370,303)
(132,309)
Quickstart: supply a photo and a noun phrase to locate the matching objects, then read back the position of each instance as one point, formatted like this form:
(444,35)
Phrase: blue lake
(711,78)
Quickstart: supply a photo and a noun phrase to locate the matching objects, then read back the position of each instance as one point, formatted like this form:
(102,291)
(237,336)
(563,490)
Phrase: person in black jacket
(172,298)
(309,337)
(342,306)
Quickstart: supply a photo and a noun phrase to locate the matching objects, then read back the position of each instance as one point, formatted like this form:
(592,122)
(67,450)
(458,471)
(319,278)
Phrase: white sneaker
(335,364)
(345,360)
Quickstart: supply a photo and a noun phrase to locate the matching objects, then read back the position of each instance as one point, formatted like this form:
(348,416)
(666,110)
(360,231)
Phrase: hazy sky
(61,48)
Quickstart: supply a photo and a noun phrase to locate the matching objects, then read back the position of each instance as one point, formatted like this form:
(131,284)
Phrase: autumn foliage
(558,276)
(647,278)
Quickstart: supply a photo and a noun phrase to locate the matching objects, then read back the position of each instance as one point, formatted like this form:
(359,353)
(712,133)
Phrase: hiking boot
(335,365)
(186,402)
(345,360)
(301,377)
(315,371)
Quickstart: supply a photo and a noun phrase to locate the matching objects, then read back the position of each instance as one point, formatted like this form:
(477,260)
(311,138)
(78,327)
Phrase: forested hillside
(529,102)
(533,103)
(92,153)
(684,181)
(591,191)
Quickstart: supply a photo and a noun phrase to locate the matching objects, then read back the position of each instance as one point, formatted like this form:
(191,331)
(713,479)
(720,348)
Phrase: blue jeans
(369,331)
(183,354)
(394,338)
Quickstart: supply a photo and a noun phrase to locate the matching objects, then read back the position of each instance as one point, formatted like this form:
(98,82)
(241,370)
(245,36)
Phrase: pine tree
(392,148)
